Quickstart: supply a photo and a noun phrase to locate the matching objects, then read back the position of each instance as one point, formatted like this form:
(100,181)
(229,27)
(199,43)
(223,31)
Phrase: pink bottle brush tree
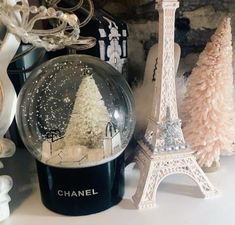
(208,106)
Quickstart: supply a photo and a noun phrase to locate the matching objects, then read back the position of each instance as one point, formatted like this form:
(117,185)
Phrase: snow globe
(75,114)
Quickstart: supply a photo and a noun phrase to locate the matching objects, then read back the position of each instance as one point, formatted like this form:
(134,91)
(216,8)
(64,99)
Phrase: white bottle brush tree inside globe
(89,116)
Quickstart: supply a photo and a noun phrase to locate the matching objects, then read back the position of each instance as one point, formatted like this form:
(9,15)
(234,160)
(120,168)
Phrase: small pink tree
(208,123)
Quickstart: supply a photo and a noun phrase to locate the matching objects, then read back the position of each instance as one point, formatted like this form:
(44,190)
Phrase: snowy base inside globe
(82,191)
(58,154)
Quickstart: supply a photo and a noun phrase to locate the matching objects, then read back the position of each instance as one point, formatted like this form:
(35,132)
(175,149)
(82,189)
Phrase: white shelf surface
(178,198)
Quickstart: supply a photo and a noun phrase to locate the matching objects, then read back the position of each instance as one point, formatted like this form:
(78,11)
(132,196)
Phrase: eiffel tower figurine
(163,151)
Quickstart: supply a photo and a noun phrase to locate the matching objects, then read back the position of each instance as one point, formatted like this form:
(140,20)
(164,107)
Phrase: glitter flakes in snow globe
(75,111)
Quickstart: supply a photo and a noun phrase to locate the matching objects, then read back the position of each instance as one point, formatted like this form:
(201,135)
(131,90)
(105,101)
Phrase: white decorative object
(5,186)
(5,182)
(115,52)
(102,49)
(50,39)
(163,151)
(77,5)
(112,140)
(8,48)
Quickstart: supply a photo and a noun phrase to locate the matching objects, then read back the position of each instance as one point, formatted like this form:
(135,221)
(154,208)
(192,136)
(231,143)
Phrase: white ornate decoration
(114,50)
(8,49)
(65,34)
(5,186)
(76,5)
(163,151)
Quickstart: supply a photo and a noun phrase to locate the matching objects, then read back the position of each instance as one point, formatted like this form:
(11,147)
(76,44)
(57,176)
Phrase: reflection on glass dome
(75,111)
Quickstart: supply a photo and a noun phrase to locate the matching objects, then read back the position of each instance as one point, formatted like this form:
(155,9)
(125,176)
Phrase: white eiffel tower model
(163,150)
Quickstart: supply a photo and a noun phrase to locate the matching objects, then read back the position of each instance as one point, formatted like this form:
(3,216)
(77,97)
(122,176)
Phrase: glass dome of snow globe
(75,114)
(75,111)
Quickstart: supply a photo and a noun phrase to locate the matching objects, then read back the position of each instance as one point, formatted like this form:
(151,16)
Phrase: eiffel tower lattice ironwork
(163,151)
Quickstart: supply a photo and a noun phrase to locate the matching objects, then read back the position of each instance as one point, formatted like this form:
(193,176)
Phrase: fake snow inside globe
(75,111)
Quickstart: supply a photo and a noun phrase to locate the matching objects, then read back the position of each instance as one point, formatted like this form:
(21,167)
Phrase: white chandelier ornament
(72,8)
(79,4)
(66,33)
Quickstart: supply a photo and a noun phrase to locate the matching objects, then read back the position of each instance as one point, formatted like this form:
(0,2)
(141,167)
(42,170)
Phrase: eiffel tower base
(155,167)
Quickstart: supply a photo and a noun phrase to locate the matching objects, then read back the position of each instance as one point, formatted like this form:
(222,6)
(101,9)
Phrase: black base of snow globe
(82,191)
